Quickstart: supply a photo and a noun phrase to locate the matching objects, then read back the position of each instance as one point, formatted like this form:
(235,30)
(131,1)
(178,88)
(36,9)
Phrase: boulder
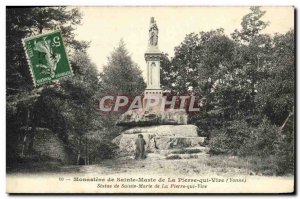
(139,117)
(166,130)
(46,143)
(160,138)
(166,142)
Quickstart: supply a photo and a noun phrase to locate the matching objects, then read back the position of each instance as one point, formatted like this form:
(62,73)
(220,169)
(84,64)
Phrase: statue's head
(140,136)
(152,20)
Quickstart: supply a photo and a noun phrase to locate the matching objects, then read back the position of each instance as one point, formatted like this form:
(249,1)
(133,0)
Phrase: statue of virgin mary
(153,33)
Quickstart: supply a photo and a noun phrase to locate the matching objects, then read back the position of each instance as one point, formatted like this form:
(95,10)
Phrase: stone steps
(185,153)
(161,138)
(171,142)
(171,154)
(186,156)
(189,150)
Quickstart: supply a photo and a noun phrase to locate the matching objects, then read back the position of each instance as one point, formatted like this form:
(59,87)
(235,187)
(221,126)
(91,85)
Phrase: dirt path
(154,164)
(204,167)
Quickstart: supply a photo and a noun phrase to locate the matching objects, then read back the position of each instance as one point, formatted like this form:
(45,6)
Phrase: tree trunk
(86,156)
(24,145)
(78,158)
(26,132)
(40,29)
(285,122)
(32,133)
(79,152)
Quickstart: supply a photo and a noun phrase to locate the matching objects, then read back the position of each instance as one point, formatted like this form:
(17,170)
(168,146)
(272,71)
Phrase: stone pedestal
(153,100)
(140,117)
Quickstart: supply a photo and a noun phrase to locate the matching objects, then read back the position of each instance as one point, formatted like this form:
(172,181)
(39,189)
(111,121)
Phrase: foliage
(121,75)
(279,83)
(229,139)
(57,106)
(106,150)
(251,25)
(245,87)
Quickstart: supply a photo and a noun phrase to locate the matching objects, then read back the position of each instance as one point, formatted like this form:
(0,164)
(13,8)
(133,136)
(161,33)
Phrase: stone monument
(152,57)
(164,130)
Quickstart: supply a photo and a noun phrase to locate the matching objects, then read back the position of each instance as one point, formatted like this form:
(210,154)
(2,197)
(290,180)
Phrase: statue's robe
(140,148)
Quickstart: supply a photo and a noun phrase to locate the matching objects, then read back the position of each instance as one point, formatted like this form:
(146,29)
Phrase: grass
(252,165)
(173,164)
(36,167)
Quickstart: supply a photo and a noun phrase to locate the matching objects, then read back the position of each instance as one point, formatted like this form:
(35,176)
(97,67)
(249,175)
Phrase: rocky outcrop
(46,143)
(160,137)
(138,117)
(166,130)
(163,131)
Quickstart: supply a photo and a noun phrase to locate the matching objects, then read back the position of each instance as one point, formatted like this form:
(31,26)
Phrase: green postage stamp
(47,57)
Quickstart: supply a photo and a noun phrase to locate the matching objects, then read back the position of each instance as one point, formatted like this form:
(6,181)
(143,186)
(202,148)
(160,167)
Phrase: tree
(251,25)
(166,69)
(28,21)
(196,61)
(246,89)
(75,103)
(265,84)
(55,106)
(276,92)
(275,98)
(121,75)
(254,49)
(202,62)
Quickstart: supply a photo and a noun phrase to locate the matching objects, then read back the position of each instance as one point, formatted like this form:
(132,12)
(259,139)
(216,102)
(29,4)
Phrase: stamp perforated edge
(35,84)
(28,61)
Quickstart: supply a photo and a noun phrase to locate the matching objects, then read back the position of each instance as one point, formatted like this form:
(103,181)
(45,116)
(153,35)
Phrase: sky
(104,27)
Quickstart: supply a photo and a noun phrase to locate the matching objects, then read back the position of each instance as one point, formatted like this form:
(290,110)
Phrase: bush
(228,140)
(285,155)
(104,149)
(262,141)
(271,149)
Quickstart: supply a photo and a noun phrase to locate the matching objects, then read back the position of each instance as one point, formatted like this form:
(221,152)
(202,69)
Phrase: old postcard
(150,100)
